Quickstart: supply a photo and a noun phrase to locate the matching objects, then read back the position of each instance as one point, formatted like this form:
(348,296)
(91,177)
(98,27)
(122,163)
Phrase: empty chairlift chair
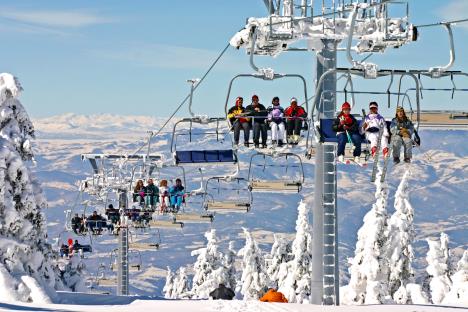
(227,194)
(202,145)
(292,173)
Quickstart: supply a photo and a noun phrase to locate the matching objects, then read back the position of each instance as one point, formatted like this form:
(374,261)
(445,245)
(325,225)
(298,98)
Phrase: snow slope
(439,187)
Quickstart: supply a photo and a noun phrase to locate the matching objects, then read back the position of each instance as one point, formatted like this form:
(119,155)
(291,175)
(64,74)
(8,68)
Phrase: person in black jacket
(346,127)
(260,114)
(222,293)
(77,224)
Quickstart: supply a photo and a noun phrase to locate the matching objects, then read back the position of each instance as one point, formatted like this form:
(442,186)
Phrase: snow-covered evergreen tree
(230,264)
(254,279)
(72,274)
(369,268)
(25,256)
(438,268)
(410,294)
(459,292)
(297,285)
(169,285)
(209,268)
(280,254)
(181,285)
(400,238)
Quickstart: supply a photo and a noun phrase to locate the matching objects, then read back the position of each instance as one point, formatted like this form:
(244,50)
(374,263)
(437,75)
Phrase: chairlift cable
(153,134)
(443,23)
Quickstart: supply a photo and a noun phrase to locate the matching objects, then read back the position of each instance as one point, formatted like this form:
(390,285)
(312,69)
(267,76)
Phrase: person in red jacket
(347,128)
(274,296)
(295,116)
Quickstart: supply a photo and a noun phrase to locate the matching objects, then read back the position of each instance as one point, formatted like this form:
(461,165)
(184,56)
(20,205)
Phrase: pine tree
(209,268)
(254,279)
(72,275)
(230,264)
(25,256)
(369,268)
(459,292)
(438,268)
(169,285)
(400,238)
(280,254)
(297,284)
(181,285)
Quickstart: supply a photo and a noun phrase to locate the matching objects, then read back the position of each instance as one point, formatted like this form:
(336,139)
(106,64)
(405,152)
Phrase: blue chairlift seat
(208,156)
(328,135)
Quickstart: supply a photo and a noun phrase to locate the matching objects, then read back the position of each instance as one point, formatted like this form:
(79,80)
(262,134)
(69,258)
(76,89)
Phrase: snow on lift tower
(200,151)
(366,22)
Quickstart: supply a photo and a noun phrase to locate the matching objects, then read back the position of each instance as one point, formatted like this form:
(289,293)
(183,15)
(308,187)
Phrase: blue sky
(133,57)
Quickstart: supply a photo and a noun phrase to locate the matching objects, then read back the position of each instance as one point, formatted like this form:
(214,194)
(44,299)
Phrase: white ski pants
(373,137)
(277,131)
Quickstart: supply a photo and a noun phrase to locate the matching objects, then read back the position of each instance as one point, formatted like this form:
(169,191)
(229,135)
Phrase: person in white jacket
(372,125)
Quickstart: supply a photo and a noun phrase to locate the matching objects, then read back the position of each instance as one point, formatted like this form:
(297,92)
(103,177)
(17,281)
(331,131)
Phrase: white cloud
(53,18)
(455,10)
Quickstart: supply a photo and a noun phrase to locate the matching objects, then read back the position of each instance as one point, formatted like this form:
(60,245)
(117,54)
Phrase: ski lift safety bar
(277,155)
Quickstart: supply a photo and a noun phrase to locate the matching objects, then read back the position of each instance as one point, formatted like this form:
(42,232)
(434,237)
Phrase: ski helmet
(293,100)
(373,104)
(345,105)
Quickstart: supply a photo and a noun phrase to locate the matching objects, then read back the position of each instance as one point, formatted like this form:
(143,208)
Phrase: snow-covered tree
(169,285)
(181,285)
(296,286)
(254,279)
(230,264)
(438,268)
(369,268)
(72,274)
(280,254)
(25,256)
(410,294)
(459,292)
(400,238)
(209,268)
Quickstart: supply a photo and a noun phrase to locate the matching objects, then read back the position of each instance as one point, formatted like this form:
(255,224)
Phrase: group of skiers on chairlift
(165,198)
(95,223)
(374,126)
(285,124)
(72,248)
(226,293)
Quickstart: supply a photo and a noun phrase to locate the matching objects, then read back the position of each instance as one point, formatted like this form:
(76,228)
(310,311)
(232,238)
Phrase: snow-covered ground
(439,189)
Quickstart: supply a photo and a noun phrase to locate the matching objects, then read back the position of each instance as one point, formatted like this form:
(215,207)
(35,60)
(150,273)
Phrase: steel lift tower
(362,26)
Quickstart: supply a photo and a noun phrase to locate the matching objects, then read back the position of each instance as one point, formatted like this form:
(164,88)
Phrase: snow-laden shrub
(230,264)
(400,238)
(27,270)
(254,280)
(459,292)
(280,255)
(296,283)
(209,268)
(369,268)
(438,268)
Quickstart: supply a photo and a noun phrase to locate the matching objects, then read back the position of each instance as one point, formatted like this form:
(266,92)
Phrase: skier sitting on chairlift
(77,224)
(260,128)
(164,199)
(238,122)
(139,192)
(64,250)
(177,194)
(372,125)
(276,120)
(151,194)
(295,116)
(113,214)
(347,129)
(402,130)
(95,223)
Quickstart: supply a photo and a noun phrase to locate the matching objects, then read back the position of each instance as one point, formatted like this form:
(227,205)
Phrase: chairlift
(227,194)
(104,280)
(267,75)
(287,184)
(134,260)
(323,131)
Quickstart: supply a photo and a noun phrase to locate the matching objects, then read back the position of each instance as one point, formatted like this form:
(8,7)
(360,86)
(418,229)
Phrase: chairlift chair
(197,155)
(103,280)
(134,259)
(285,184)
(217,191)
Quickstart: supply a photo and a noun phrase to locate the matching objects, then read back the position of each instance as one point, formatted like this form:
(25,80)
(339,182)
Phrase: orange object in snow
(273,296)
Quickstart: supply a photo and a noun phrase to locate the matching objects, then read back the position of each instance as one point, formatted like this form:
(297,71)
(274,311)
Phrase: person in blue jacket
(177,193)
